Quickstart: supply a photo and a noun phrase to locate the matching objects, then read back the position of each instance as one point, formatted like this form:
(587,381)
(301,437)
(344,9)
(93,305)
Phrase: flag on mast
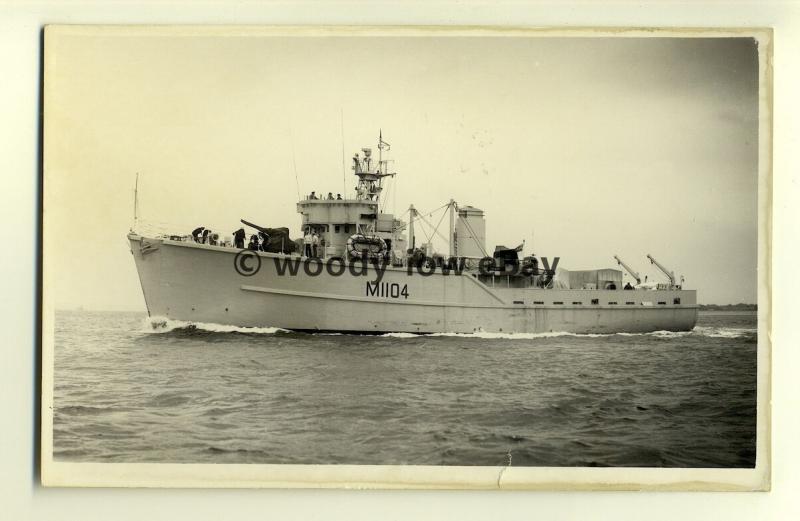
(383,145)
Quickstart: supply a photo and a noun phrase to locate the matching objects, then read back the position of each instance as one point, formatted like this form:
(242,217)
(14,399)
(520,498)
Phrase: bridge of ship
(336,220)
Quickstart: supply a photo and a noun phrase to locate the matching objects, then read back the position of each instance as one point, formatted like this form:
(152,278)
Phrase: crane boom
(629,270)
(670,275)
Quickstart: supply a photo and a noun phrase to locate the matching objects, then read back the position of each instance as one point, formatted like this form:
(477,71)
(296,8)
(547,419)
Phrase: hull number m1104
(387,290)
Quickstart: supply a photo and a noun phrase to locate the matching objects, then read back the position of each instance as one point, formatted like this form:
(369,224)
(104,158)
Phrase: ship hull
(201,283)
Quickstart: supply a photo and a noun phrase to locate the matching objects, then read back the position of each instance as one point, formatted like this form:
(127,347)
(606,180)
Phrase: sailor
(253,243)
(213,239)
(238,238)
(264,240)
(313,195)
(315,244)
(628,286)
(338,197)
(205,236)
(330,196)
(307,240)
(197,232)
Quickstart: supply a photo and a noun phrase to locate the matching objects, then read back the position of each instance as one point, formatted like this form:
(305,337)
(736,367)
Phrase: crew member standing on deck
(307,240)
(238,238)
(197,232)
(315,244)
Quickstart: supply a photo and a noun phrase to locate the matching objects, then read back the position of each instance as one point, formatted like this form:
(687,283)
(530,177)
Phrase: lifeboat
(371,245)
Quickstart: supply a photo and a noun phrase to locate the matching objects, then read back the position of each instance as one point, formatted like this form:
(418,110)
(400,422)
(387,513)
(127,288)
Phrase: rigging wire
(403,225)
(425,231)
(385,198)
(422,220)
(442,217)
(430,214)
(475,238)
(294,164)
(436,231)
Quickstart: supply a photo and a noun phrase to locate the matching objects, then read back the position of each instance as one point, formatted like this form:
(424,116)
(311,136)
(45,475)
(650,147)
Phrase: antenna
(136,203)
(344,163)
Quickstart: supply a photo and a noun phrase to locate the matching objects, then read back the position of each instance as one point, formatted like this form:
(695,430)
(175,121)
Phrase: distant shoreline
(728,307)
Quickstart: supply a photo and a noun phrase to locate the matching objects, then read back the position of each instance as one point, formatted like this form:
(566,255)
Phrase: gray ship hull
(200,283)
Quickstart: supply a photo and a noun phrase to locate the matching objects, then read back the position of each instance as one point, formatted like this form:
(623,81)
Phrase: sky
(583,147)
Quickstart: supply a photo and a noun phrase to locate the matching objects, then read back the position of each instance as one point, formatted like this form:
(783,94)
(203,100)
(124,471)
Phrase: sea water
(129,388)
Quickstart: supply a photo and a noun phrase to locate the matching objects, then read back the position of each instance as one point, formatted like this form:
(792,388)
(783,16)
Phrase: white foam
(661,334)
(517,336)
(714,332)
(724,332)
(165,325)
(491,335)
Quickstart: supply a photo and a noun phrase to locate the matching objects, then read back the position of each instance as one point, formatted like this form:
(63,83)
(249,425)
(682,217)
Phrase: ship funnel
(471,232)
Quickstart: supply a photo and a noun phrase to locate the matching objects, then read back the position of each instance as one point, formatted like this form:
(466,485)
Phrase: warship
(358,269)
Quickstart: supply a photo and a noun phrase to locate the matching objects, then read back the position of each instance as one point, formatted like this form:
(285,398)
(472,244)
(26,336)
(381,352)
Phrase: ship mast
(370,178)
(412,212)
(452,234)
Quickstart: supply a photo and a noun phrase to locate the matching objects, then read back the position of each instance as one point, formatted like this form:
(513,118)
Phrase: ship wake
(699,331)
(161,325)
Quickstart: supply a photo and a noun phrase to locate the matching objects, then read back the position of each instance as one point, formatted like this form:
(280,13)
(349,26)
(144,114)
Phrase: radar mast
(370,175)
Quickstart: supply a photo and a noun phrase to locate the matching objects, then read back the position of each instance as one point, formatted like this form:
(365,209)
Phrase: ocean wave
(518,336)
(79,410)
(161,325)
(725,332)
(713,332)
(166,325)
(401,335)
(660,334)
(487,335)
